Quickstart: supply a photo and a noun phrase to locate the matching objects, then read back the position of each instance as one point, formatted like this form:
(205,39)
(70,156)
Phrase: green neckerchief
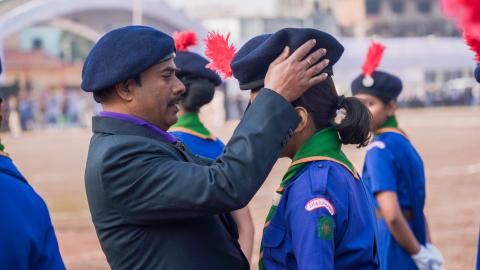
(191,122)
(324,145)
(2,147)
(391,122)
(390,125)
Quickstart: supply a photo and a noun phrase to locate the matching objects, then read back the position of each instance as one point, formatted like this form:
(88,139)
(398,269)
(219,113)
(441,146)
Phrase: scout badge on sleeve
(320,203)
(325,228)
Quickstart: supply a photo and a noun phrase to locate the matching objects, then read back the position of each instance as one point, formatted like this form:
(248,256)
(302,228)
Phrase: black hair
(199,92)
(322,103)
(104,95)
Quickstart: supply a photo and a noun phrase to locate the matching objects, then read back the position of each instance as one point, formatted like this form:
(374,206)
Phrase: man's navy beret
(192,64)
(385,86)
(124,53)
(477,73)
(250,64)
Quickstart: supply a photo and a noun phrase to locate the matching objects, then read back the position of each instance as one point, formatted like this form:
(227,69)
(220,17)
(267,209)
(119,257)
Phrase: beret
(385,85)
(192,64)
(250,64)
(124,53)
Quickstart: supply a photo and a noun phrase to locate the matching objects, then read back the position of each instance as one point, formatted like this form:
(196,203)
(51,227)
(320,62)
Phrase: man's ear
(391,107)
(303,115)
(125,90)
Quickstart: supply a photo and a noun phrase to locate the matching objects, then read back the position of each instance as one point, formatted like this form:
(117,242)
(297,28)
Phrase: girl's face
(379,110)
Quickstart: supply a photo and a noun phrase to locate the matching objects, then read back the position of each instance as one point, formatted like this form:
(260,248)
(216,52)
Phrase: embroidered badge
(377,144)
(320,203)
(325,228)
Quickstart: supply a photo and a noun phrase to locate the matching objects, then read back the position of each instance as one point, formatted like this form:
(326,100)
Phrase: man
(154,204)
(27,238)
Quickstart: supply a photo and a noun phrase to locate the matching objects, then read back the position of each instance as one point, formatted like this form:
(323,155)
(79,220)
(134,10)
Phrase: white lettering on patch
(320,203)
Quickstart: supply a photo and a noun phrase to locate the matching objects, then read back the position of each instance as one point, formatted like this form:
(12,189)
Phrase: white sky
(244,5)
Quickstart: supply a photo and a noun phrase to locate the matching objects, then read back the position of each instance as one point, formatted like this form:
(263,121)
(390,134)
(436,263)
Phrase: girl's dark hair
(322,103)
(199,92)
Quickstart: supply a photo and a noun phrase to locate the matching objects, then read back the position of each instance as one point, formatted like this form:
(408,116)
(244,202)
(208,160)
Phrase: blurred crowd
(43,109)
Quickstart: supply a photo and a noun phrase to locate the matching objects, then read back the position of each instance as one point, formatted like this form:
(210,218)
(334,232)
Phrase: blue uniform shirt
(393,164)
(27,238)
(203,147)
(324,220)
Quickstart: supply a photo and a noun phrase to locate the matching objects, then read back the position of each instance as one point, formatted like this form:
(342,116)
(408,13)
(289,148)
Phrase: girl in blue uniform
(321,217)
(394,171)
(200,83)
(27,237)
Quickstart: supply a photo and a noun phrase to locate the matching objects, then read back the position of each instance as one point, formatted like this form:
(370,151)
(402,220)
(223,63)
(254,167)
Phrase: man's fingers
(317,79)
(303,51)
(314,57)
(282,56)
(317,68)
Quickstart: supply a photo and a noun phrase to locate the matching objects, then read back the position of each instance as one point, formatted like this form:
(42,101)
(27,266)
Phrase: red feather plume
(374,56)
(184,40)
(474,44)
(465,12)
(220,53)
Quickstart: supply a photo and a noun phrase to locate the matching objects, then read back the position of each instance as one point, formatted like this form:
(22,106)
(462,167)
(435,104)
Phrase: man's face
(158,96)
(379,110)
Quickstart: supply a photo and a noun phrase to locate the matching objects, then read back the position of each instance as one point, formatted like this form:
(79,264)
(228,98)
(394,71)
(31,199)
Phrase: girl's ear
(303,115)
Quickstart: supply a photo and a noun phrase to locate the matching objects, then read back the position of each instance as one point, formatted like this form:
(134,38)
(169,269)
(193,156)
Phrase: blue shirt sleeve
(381,168)
(311,220)
(48,255)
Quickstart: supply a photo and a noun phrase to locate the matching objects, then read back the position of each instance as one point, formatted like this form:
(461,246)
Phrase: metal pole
(137,12)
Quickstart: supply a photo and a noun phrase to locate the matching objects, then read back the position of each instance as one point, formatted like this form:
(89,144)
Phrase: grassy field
(447,138)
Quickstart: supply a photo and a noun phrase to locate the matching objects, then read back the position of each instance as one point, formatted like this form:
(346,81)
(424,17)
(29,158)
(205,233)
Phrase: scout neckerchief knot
(324,145)
(190,123)
(391,125)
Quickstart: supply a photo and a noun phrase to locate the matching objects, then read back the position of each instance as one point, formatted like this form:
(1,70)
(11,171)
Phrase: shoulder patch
(376,144)
(317,203)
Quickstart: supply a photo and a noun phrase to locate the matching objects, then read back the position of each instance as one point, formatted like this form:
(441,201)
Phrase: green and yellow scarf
(190,123)
(391,125)
(324,145)
(2,149)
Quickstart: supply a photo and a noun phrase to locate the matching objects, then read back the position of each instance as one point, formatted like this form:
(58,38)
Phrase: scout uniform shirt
(27,238)
(324,218)
(393,164)
(196,137)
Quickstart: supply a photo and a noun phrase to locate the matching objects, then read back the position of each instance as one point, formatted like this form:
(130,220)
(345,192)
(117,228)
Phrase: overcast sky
(237,4)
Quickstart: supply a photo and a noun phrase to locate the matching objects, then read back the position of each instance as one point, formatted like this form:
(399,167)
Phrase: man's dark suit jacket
(157,206)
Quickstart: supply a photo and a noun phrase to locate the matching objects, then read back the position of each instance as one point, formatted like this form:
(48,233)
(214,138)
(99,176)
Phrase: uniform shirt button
(290,132)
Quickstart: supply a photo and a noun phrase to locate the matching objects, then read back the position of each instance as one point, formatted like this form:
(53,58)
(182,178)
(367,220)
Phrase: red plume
(474,44)
(374,56)
(220,52)
(184,40)
(465,12)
